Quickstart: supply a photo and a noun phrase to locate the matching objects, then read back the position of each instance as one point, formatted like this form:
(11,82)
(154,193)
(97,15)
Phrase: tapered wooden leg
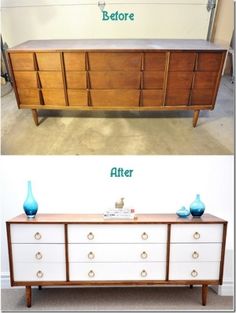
(28,296)
(35,117)
(191,286)
(204,294)
(195,117)
(40,287)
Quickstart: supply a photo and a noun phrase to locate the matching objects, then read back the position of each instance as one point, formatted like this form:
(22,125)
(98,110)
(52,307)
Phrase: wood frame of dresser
(89,107)
(204,283)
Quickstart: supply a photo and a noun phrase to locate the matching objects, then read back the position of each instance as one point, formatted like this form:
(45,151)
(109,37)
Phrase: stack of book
(118,214)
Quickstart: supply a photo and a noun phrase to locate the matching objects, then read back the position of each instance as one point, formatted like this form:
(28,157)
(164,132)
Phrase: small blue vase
(197,208)
(183,212)
(30,205)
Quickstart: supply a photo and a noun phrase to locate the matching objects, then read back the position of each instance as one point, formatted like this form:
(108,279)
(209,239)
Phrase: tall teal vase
(197,208)
(30,205)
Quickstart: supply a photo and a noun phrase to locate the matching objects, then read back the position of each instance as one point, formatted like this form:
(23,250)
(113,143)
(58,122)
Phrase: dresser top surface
(98,219)
(116,44)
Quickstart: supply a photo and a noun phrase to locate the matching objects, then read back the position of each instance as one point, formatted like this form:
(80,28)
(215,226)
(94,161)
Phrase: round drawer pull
(37,236)
(144,255)
(38,256)
(90,236)
(143,273)
(195,255)
(91,274)
(144,236)
(196,235)
(91,255)
(194,273)
(39,274)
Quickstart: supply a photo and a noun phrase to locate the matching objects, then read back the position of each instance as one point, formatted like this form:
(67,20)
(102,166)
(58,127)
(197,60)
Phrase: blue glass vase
(197,208)
(183,212)
(30,205)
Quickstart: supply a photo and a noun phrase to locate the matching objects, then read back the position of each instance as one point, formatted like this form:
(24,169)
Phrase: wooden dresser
(136,75)
(77,249)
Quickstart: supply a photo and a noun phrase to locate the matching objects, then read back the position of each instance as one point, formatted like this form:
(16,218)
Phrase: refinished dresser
(77,249)
(141,75)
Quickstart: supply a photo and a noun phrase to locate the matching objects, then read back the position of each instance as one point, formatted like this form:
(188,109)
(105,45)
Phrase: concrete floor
(102,133)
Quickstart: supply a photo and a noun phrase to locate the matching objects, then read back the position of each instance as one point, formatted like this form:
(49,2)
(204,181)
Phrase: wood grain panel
(22,61)
(182,61)
(177,97)
(202,96)
(115,98)
(49,61)
(180,80)
(77,97)
(29,96)
(152,97)
(74,61)
(205,80)
(26,79)
(54,97)
(115,80)
(51,80)
(76,80)
(116,61)
(153,80)
(155,61)
(209,61)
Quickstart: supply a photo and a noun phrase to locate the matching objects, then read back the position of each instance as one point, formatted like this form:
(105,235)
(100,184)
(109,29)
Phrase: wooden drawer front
(117,253)
(206,80)
(38,253)
(22,61)
(29,96)
(152,97)
(76,80)
(49,61)
(117,271)
(153,80)
(209,61)
(32,271)
(196,252)
(194,271)
(155,61)
(115,80)
(54,96)
(26,79)
(40,233)
(77,97)
(74,61)
(50,80)
(197,233)
(182,61)
(177,97)
(202,96)
(116,61)
(115,98)
(117,233)
(180,80)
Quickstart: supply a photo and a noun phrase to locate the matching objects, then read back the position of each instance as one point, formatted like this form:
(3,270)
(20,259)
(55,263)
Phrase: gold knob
(91,274)
(38,255)
(39,274)
(144,236)
(37,236)
(195,255)
(143,273)
(144,255)
(90,236)
(196,235)
(91,255)
(194,273)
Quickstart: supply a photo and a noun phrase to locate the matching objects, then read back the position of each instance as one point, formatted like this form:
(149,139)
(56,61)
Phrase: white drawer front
(195,252)
(117,233)
(32,271)
(40,233)
(196,233)
(117,271)
(38,253)
(194,271)
(117,252)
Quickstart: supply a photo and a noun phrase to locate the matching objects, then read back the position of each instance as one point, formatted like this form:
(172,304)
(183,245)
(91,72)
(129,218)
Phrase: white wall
(160,184)
(62,19)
